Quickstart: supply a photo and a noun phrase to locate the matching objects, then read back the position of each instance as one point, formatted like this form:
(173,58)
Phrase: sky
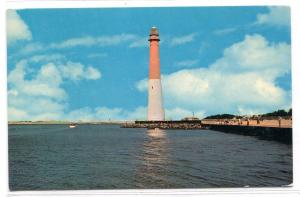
(92,64)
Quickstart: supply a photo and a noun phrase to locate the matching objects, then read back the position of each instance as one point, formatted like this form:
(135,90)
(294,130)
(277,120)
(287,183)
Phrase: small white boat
(71,126)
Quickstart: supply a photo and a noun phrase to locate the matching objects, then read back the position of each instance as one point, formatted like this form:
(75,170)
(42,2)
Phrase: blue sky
(92,64)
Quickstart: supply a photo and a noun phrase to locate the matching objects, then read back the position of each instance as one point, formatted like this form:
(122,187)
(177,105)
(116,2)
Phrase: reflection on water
(156,133)
(154,160)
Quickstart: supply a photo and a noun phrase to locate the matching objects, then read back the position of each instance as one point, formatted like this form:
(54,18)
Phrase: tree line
(280,112)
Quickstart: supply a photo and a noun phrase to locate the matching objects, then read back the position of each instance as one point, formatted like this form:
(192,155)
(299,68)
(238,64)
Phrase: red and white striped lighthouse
(155,101)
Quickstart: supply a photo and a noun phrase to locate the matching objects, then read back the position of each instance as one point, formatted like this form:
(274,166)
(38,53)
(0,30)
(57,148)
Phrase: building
(190,118)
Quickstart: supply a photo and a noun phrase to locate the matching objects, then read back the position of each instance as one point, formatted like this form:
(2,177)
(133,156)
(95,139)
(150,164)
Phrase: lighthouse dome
(154,31)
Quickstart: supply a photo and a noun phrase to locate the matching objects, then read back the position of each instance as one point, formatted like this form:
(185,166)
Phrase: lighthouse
(155,101)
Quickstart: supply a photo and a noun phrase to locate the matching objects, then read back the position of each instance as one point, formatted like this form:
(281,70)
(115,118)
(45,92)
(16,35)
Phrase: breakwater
(172,124)
(267,133)
(280,134)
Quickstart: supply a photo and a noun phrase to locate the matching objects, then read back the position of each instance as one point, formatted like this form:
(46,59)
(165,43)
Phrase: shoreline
(67,123)
(188,124)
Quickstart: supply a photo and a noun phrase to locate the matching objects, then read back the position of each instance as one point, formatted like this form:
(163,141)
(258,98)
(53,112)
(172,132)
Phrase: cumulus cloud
(277,16)
(45,84)
(256,54)
(142,85)
(106,114)
(16,27)
(33,99)
(139,113)
(178,113)
(77,71)
(92,73)
(243,79)
(41,96)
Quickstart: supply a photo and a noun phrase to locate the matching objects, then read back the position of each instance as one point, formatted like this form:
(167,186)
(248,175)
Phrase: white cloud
(42,97)
(105,113)
(277,16)
(180,113)
(182,39)
(129,40)
(16,27)
(46,82)
(187,63)
(76,71)
(139,113)
(220,32)
(101,41)
(132,41)
(142,85)
(92,73)
(30,99)
(255,54)
(72,70)
(81,114)
(31,48)
(73,42)
(140,42)
(16,114)
(47,58)
(244,78)
(91,41)
(97,55)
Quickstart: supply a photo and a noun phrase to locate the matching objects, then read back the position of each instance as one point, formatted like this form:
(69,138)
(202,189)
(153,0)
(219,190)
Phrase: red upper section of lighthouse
(154,66)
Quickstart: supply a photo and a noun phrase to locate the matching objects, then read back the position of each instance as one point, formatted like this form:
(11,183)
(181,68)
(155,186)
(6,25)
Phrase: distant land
(272,115)
(65,122)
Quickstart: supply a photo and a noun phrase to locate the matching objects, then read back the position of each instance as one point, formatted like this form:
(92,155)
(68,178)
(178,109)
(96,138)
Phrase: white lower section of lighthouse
(155,101)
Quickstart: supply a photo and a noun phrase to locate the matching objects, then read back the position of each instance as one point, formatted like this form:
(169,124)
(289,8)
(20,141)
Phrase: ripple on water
(49,157)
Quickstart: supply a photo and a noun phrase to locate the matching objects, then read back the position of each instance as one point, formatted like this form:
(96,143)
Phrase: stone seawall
(267,133)
(283,135)
(164,124)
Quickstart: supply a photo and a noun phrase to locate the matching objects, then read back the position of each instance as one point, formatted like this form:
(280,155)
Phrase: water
(46,157)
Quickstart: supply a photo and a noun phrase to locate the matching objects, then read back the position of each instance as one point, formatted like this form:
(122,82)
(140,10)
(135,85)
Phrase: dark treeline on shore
(280,112)
(277,113)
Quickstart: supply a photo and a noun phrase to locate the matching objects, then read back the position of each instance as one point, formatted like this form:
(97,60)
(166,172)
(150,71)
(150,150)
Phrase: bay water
(55,157)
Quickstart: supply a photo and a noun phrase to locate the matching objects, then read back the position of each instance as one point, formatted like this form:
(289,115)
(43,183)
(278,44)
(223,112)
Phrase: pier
(268,129)
(281,134)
